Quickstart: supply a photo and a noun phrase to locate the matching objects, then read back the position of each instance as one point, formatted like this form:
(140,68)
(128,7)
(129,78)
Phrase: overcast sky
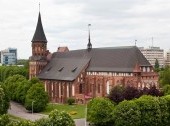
(113,23)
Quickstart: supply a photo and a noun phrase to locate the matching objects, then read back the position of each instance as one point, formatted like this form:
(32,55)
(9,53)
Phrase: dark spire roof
(89,45)
(39,35)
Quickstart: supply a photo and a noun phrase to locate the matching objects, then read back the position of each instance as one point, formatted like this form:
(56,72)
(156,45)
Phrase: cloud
(114,23)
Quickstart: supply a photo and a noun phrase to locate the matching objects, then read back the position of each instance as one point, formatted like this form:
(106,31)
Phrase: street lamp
(33,107)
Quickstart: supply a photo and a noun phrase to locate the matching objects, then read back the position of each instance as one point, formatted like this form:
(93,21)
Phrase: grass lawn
(15,118)
(78,110)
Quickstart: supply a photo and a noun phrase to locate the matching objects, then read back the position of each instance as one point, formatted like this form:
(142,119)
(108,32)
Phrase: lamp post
(33,107)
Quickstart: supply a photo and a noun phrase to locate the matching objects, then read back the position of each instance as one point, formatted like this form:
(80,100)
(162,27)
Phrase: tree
(167,98)
(117,94)
(11,84)
(127,113)
(4,101)
(150,110)
(163,104)
(131,93)
(37,97)
(164,78)
(166,90)
(156,64)
(100,112)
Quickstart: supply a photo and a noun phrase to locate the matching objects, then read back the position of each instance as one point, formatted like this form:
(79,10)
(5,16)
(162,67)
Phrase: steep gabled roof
(118,59)
(63,69)
(39,35)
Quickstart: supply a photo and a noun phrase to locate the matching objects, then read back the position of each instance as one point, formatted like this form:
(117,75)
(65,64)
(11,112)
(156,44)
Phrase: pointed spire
(89,45)
(39,35)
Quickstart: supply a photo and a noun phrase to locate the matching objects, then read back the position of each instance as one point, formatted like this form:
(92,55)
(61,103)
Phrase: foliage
(70,101)
(7,71)
(43,122)
(36,97)
(131,93)
(117,94)
(120,93)
(127,113)
(11,85)
(61,118)
(4,101)
(4,120)
(100,112)
(150,111)
(164,78)
(164,111)
(156,65)
(167,98)
(166,90)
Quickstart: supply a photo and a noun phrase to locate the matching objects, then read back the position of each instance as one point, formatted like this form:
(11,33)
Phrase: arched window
(98,88)
(80,88)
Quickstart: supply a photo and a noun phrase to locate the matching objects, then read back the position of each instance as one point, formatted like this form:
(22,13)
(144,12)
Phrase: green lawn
(15,118)
(77,110)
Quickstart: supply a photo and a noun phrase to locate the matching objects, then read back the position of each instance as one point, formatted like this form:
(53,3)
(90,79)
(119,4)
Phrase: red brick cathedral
(87,73)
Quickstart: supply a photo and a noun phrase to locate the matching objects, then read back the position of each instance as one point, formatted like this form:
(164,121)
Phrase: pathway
(19,111)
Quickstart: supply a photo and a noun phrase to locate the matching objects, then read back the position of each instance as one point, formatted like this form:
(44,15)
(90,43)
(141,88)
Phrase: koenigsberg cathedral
(87,73)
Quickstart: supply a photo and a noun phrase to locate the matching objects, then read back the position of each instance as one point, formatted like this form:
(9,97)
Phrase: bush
(60,119)
(164,111)
(167,98)
(150,111)
(4,101)
(166,90)
(117,94)
(70,101)
(4,120)
(100,112)
(127,113)
(43,122)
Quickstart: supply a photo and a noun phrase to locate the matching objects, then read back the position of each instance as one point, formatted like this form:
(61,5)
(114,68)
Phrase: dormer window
(73,70)
(60,69)
(49,69)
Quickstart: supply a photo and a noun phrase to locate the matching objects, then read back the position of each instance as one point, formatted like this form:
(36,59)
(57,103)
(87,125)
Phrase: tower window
(80,88)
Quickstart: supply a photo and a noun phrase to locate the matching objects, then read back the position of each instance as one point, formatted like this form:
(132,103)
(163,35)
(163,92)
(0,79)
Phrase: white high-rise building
(167,61)
(153,53)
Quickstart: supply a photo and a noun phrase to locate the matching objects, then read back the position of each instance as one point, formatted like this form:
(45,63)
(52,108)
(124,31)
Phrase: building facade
(87,73)
(9,56)
(153,53)
(167,61)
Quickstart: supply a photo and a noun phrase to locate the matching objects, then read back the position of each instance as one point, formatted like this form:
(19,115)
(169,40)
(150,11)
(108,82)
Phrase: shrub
(164,111)
(60,119)
(150,111)
(127,113)
(166,90)
(43,122)
(100,112)
(167,98)
(4,101)
(117,94)
(4,120)
(70,101)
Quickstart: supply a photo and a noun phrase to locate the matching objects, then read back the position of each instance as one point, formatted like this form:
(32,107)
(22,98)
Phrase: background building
(167,61)
(153,53)
(9,56)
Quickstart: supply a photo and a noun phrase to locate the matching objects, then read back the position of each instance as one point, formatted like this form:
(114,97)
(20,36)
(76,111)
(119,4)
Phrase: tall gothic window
(80,88)
(98,88)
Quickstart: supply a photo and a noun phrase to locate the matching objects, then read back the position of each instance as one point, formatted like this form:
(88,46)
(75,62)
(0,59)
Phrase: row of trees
(7,71)
(26,92)
(144,111)
(55,118)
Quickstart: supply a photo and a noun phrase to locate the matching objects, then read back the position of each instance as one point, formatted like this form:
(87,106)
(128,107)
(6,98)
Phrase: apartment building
(153,53)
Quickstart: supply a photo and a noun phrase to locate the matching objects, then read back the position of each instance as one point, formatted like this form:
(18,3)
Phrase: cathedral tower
(39,50)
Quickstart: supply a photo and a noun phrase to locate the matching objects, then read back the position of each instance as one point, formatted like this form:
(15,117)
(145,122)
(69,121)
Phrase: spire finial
(39,6)
(89,45)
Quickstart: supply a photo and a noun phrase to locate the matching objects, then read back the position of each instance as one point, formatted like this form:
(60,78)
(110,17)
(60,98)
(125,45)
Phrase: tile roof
(118,59)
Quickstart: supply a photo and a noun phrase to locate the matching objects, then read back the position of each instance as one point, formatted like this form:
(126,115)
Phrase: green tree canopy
(37,97)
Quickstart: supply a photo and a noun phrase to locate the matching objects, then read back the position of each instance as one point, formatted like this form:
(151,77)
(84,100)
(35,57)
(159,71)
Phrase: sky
(65,23)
